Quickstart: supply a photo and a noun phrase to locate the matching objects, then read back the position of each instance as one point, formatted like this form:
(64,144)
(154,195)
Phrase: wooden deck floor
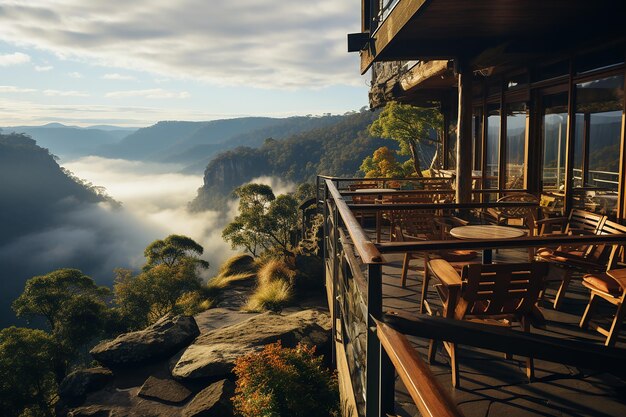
(494,386)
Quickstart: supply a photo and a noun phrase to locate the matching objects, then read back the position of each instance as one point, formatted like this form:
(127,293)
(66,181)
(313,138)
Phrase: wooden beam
(421,72)
(389,28)
(552,349)
(464,134)
(427,394)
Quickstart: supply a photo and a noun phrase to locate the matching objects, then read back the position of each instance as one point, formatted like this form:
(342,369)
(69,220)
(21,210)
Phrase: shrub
(238,264)
(273,296)
(192,303)
(285,382)
(276,270)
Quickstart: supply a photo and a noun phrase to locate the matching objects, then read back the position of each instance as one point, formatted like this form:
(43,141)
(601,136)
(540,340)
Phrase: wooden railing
(374,342)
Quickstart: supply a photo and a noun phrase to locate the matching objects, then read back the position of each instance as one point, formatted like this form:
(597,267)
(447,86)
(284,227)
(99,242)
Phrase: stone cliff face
(227,172)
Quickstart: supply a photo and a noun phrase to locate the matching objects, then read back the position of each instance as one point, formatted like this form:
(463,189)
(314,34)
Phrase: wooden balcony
(382,340)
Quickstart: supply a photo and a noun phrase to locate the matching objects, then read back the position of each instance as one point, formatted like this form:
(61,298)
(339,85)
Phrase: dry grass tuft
(272,295)
(276,270)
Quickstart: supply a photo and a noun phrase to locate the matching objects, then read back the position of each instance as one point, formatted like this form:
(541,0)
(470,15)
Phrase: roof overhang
(495,30)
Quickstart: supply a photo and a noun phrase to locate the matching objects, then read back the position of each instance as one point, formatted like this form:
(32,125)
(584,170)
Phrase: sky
(133,63)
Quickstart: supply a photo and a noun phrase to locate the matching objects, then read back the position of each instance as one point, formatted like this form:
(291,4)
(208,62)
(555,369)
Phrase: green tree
(247,228)
(382,163)
(145,298)
(264,222)
(28,374)
(172,251)
(409,126)
(50,296)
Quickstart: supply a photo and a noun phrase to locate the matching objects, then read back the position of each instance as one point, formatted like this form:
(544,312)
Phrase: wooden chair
(490,293)
(569,259)
(609,286)
(578,222)
(526,216)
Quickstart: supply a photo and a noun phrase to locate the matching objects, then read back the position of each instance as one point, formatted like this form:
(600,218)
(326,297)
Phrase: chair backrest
(607,253)
(414,221)
(584,220)
(500,289)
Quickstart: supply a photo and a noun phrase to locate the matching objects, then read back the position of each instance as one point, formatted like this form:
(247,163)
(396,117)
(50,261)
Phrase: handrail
(443,206)
(567,351)
(526,241)
(367,250)
(429,397)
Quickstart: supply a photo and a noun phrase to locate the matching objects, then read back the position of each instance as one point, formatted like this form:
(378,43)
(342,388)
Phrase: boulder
(76,385)
(91,411)
(213,354)
(165,390)
(213,401)
(160,340)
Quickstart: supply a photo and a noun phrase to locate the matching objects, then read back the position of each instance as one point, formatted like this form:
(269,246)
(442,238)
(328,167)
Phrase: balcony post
(373,355)
(464,133)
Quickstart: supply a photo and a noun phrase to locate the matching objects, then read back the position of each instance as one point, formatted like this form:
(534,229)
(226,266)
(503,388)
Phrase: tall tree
(409,126)
(173,250)
(264,221)
(382,163)
(28,374)
(49,295)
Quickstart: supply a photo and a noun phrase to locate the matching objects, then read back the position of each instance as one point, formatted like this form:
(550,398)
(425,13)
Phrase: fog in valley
(97,238)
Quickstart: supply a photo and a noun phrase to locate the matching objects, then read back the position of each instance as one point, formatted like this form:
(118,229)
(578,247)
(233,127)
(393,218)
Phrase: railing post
(378,399)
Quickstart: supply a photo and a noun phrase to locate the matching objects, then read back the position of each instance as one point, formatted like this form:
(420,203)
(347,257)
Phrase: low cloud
(15,58)
(43,68)
(152,93)
(119,77)
(61,93)
(278,185)
(75,74)
(13,89)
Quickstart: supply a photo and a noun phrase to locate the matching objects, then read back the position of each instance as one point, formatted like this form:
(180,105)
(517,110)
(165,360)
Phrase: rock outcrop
(79,383)
(158,341)
(165,390)
(213,401)
(213,354)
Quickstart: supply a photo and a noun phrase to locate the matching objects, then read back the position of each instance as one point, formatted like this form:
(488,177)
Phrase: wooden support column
(464,132)
(570,144)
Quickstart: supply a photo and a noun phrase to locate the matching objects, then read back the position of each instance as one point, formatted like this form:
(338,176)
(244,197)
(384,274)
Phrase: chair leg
(584,321)
(454,365)
(425,283)
(405,269)
(620,314)
(432,350)
(560,294)
(530,363)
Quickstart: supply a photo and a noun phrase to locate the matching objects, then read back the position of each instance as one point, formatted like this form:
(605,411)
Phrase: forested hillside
(334,150)
(34,193)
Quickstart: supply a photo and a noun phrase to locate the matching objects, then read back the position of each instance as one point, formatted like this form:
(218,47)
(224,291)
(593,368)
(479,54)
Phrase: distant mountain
(194,143)
(338,149)
(70,141)
(34,193)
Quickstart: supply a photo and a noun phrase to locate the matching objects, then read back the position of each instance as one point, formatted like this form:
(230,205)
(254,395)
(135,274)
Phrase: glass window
(452,143)
(493,146)
(477,139)
(516,120)
(554,123)
(599,108)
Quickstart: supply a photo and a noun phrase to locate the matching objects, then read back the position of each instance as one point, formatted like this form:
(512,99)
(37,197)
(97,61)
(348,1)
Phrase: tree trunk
(415,157)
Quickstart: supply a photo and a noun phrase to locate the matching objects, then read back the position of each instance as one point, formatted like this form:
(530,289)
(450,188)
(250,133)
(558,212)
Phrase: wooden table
(486,232)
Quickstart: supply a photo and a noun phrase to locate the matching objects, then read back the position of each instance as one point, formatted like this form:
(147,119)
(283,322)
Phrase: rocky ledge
(173,368)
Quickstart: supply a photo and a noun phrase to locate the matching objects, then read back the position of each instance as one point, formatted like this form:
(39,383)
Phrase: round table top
(486,231)
(373,190)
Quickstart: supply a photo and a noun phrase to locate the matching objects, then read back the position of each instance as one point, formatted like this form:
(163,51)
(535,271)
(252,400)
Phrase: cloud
(153,93)
(75,74)
(256,43)
(44,68)
(70,93)
(13,89)
(15,58)
(119,77)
